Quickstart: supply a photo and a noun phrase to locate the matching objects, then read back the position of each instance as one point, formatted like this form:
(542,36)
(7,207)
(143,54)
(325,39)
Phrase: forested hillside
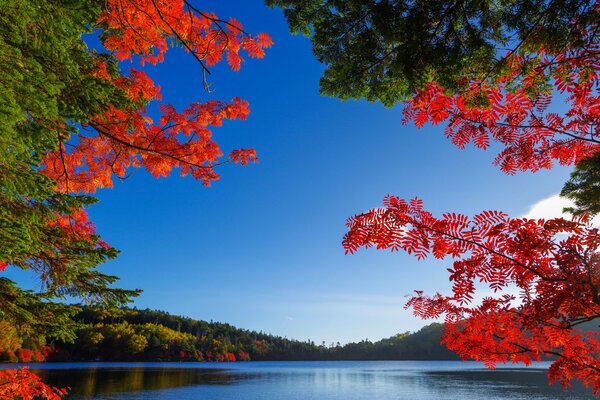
(148,335)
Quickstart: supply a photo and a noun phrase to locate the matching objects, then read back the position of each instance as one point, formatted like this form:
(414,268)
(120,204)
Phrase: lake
(331,380)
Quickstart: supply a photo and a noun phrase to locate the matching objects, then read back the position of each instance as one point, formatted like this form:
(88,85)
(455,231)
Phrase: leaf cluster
(385,51)
(33,315)
(583,188)
(553,264)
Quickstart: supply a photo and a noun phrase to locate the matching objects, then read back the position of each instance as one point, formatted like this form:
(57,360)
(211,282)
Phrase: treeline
(213,341)
(149,335)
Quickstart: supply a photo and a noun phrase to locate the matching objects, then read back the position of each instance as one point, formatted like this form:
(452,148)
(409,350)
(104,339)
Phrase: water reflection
(505,383)
(307,381)
(91,381)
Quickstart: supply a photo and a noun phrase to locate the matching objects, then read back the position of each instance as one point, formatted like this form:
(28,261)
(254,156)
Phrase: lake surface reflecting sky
(360,380)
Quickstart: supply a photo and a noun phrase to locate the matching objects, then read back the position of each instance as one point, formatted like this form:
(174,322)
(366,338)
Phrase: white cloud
(552,207)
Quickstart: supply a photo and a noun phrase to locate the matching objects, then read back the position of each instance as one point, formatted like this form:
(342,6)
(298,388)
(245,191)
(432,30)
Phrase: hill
(129,334)
(148,335)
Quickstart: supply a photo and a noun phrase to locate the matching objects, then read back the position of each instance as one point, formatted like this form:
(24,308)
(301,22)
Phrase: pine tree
(72,119)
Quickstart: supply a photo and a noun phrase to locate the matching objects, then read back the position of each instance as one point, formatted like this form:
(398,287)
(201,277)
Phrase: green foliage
(47,92)
(33,316)
(28,206)
(385,50)
(421,345)
(148,335)
(584,187)
(47,89)
(9,340)
(45,73)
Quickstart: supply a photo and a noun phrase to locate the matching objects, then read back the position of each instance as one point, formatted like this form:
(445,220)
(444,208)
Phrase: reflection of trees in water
(530,383)
(329,383)
(108,380)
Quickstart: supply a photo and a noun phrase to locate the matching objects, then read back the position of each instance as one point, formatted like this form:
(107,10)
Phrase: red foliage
(513,108)
(38,356)
(130,139)
(261,348)
(231,357)
(142,27)
(25,385)
(243,356)
(120,138)
(77,226)
(554,264)
(557,277)
(24,355)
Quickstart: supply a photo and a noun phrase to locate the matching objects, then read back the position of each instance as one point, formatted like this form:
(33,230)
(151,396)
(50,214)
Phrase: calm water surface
(360,380)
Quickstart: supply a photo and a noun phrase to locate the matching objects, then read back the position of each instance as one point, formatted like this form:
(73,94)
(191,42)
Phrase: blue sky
(261,248)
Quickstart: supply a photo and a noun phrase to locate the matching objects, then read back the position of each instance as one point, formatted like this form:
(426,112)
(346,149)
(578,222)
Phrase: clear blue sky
(261,248)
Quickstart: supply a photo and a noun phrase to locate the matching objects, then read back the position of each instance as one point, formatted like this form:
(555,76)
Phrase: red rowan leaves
(23,384)
(553,263)
(77,226)
(144,28)
(512,108)
(243,156)
(119,139)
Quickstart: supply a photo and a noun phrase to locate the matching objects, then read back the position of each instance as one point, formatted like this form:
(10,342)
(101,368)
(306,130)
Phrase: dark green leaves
(385,50)
(584,187)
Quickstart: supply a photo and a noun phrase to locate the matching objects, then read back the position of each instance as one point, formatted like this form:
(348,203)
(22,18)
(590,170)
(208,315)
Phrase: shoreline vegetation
(128,334)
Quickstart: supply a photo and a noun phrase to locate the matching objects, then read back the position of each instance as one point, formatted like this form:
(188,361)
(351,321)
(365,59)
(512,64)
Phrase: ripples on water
(393,380)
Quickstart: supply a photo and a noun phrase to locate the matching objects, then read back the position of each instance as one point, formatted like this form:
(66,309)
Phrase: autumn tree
(74,118)
(490,71)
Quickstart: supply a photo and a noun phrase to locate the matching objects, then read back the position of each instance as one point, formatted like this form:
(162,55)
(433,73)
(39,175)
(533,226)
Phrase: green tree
(33,315)
(583,188)
(47,90)
(387,50)
(10,339)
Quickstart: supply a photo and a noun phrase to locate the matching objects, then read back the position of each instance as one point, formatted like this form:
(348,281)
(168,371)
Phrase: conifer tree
(73,118)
